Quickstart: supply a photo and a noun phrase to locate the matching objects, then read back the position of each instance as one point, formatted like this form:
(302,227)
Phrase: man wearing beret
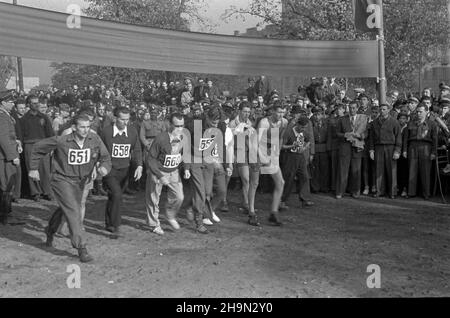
(412,105)
(9,155)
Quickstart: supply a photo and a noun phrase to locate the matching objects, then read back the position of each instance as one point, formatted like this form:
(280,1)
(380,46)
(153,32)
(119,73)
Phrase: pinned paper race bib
(215,151)
(78,157)
(205,143)
(172,161)
(120,151)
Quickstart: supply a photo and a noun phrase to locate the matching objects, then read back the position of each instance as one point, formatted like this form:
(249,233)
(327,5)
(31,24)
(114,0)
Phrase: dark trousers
(333,168)
(201,182)
(115,182)
(386,170)
(43,186)
(68,194)
(7,183)
(18,186)
(295,165)
(349,161)
(419,154)
(368,171)
(402,173)
(219,186)
(320,173)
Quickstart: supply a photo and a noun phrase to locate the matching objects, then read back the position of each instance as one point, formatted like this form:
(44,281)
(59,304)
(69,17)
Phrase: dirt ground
(322,251)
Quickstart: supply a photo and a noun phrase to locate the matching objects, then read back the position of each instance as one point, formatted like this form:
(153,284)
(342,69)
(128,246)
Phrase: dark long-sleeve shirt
(425,132)
(123,149)
(320,135)
(163,156)
(35,127)
(69,159)
(385,132)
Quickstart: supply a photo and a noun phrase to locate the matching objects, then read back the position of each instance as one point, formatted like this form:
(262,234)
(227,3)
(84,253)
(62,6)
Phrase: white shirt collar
(116,131)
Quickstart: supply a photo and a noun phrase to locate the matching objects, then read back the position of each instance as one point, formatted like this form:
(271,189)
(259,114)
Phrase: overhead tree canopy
(414,29)
(7,68)
(167,14)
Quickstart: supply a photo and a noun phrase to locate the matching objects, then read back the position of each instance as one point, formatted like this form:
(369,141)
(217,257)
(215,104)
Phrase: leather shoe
(46,197)
(49,240)
(130,192)
(116,234)
(253,220)
(307,204)
(110,229)
(202,229)
(283,206)
(100,192)
(225,207)
(84,255)
(274,219)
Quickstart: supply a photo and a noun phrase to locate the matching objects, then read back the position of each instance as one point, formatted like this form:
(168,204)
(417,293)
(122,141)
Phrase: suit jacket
(360,128)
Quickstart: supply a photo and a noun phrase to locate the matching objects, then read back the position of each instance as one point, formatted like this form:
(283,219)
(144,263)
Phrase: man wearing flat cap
(9,155)
(412,105)
(358,92)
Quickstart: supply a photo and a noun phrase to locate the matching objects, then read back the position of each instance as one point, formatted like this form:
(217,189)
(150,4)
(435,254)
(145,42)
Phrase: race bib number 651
(120,151)
(78,157)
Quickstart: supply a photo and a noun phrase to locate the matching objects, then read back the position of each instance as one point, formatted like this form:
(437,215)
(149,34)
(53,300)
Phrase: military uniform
(420,142)
(8,153)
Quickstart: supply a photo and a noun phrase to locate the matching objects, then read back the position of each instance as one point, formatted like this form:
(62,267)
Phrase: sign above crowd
(41,34)
(368,15)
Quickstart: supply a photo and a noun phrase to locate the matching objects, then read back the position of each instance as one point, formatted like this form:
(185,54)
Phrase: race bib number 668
(172,161)
(78,157)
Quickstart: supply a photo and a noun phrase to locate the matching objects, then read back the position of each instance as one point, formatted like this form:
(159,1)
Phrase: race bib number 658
(120,151)
(78,157)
